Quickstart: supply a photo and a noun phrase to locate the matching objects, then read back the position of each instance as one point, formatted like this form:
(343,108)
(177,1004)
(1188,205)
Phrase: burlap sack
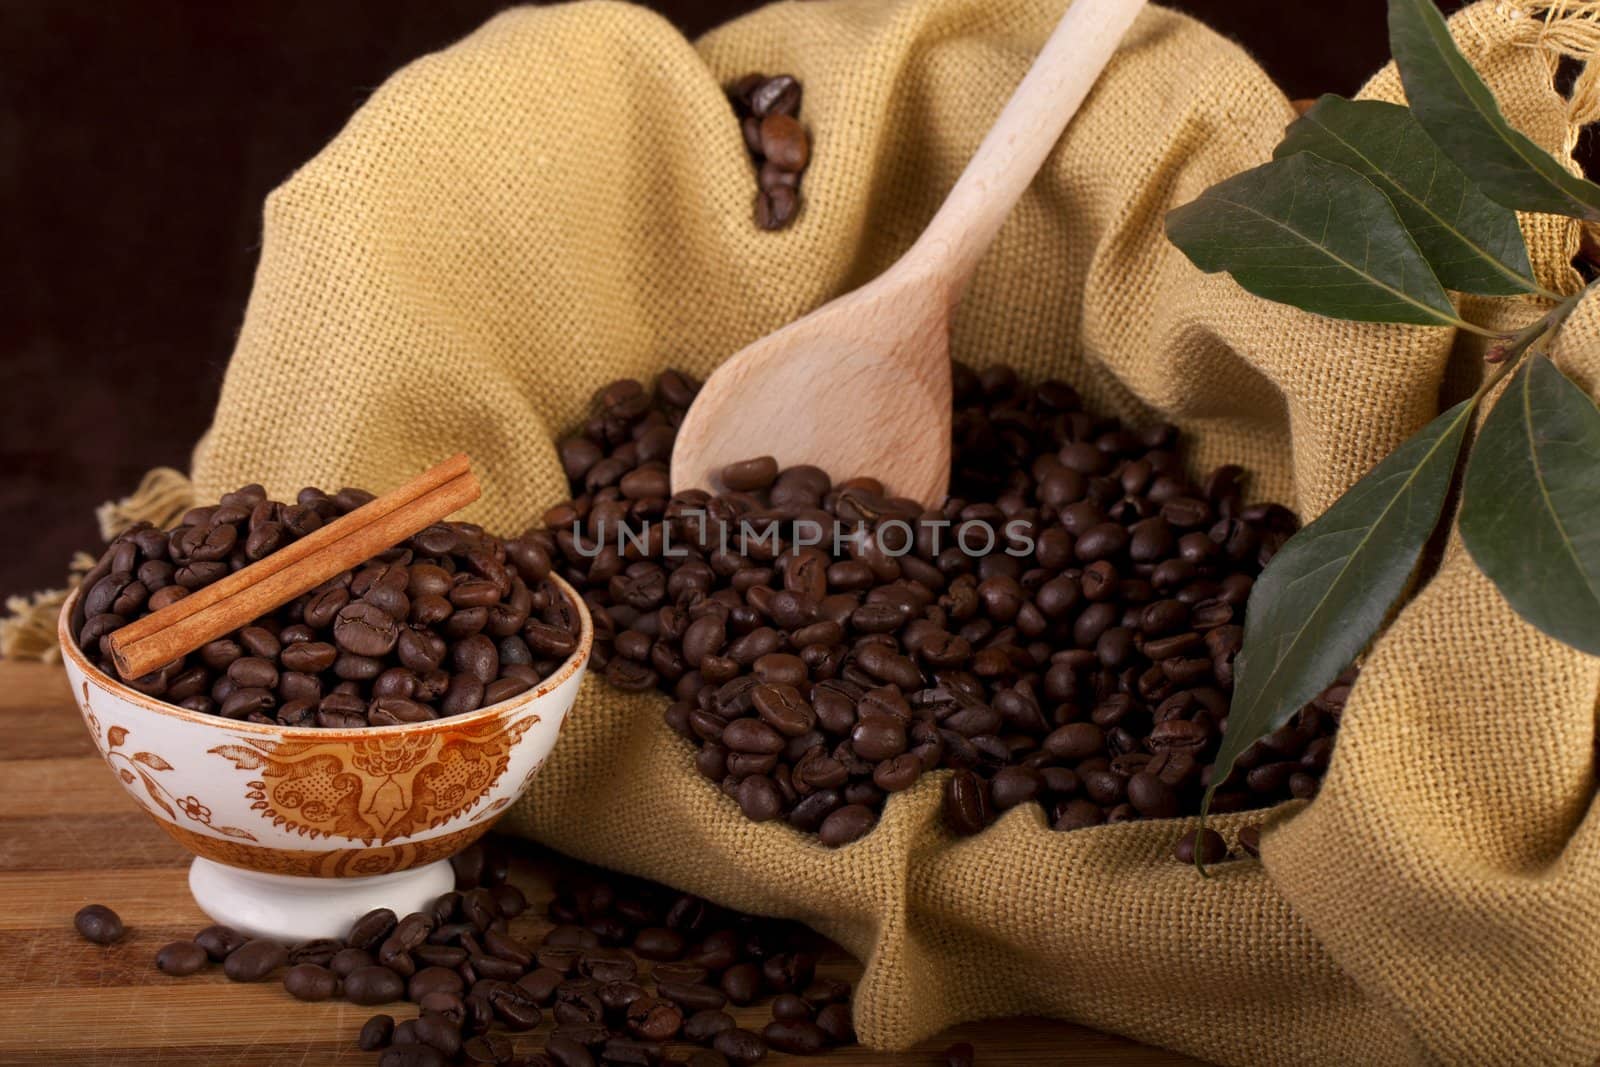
(563,198)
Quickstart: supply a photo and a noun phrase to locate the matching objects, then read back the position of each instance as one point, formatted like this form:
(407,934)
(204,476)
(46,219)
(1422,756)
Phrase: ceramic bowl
(298,831)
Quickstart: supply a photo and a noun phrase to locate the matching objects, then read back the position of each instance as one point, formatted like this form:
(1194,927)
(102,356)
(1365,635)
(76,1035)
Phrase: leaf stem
(1463,324)
(1516,344)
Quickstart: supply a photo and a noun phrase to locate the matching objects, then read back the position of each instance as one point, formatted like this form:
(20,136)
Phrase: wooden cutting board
(69,836)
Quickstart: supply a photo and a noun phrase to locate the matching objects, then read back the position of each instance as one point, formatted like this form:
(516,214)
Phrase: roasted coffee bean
(541,984)
(1207,843)
(98,923)
(659,943)
(219,941)
(834,1020)
(797,1037)
(489,1049)
(181,958)
(784,143)
(775,207)
(1014,785)
(703,1026)
(567,1052)
(846,824)
(607,965)
(752,474)
(741,983)
(575,1005)
(349,959)
(654,1019)
(364,629)
(515,1007)
(740,1046)
(966,803)
(827,991)
(691,997)
(376,1033)
(791,1008)
(309,981)
(254,960)
(373,985)
(779,95)
(433,979)
(369,931)
(788,972)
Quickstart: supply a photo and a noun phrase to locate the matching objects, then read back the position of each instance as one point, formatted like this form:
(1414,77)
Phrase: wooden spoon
(862,384)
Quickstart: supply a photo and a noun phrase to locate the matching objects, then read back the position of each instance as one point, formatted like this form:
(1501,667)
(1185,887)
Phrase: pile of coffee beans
(1061,632)
(769,116)
(450,621)
(629,973)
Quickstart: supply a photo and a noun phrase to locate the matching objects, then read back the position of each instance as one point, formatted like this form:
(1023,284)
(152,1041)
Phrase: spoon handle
(1019,141)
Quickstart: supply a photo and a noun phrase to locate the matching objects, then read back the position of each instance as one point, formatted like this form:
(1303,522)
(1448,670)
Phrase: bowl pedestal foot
(293,909)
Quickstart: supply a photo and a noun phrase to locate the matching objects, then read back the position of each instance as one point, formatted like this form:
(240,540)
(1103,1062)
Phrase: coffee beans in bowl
(1061,632)
(451,621)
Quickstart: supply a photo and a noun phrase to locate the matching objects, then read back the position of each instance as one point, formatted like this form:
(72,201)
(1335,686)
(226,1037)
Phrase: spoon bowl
(848,388)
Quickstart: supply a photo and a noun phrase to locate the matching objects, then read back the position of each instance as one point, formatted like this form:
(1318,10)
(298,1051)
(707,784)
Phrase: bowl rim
(573,664)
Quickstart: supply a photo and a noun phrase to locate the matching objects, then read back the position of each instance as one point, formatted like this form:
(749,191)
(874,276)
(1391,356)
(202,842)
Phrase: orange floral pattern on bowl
(375,790)
(145,768)
(360,861)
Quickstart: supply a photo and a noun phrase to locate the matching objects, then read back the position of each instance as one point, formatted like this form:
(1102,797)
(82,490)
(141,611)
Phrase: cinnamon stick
(229,603)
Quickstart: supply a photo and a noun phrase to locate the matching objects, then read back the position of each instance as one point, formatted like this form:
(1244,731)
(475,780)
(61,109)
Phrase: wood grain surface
(69,836)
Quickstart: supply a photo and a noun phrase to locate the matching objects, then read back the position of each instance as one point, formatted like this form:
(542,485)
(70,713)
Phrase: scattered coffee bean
(835,1021)
(798,1037)
(181,958)
(703,1026)
(741,1046)
(1211,847)
(99,924)
(310,981)
(788,1007)
(375,1033)
(1250,840)
(219,941)
(254,960)
(373,985)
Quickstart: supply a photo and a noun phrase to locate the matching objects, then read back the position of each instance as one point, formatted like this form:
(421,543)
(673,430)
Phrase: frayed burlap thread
(563,198)
(28,632)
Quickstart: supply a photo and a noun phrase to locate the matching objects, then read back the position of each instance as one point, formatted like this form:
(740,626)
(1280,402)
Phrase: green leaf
(1530,503)
(1461,115)
(1472,243)
(1324,595)
(1314,234)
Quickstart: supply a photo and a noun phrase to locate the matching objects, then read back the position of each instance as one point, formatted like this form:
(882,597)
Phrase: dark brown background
(137,140)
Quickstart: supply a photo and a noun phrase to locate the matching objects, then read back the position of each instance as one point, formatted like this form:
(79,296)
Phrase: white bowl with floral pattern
(297,831)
